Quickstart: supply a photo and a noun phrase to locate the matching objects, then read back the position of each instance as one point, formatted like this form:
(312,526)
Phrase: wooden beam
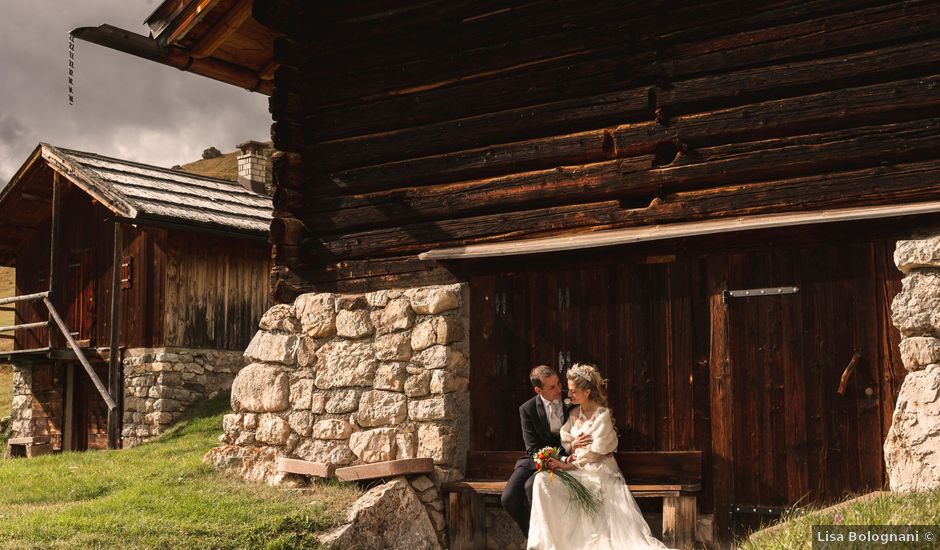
(722,402)
(221,31)
(56,261)
(386,469)
(305,467)
(115,380)
(68,428)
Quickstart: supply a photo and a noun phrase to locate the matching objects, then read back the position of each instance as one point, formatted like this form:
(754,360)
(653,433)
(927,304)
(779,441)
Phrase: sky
(125,107)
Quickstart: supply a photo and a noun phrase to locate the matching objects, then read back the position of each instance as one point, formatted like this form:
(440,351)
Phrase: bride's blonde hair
(586,377)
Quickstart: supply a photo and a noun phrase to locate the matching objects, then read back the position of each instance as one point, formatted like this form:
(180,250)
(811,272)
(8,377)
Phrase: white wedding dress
(558,523)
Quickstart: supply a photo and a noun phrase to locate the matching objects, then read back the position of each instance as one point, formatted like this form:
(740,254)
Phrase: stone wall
(912,448)
(160,383)
(356,379)
(22,413)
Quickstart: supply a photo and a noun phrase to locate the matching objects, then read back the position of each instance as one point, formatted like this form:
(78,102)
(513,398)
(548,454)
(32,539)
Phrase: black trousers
(517,496)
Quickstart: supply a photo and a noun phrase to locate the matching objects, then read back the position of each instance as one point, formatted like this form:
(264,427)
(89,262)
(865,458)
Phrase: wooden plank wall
(444,123)
(216,290)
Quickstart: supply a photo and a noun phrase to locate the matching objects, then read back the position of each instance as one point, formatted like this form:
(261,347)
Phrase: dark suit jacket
(536,431)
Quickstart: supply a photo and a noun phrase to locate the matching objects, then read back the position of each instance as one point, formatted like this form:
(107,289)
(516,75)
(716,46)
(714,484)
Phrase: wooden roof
(219,39)
(129,189)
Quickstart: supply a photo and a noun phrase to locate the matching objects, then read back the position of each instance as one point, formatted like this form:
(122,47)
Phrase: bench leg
(466,521)
(679,516)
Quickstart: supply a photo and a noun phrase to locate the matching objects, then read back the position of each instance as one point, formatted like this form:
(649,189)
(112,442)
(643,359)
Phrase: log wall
(439,124)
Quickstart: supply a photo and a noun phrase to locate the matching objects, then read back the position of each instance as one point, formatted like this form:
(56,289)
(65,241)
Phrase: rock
(301,395)
(381,408)
(332,428)
(437,519)
(261,388)
(441,357)
(318,403)
(268,347)
(316,313)
(380,298)
(322,450)
(250,421)
(351,301)
(353,324)
(443,381)
(435,299)
(346,363)
(390,376)
(917,254)
(374,445)
(406,440)
(390,517)
(916,309)
(307,352)
(231,425)
(438,442)
(301,422)
(272,429)
(397,315)
(910,450)
(253,464)
(421,484)
(342,401)
(435,408)
(280,318)
(919,351)
(436,331)
(393,347)
(418,385)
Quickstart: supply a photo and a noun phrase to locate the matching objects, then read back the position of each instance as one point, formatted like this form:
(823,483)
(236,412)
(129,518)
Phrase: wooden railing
(56,319)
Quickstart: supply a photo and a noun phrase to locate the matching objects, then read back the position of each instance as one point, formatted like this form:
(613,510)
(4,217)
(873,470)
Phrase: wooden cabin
(702,198)
(169,266)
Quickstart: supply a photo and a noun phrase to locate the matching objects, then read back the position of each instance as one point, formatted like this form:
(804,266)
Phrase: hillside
(7,288)
(158,495)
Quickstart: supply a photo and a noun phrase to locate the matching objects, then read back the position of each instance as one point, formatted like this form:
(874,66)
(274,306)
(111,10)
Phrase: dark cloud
(124,106)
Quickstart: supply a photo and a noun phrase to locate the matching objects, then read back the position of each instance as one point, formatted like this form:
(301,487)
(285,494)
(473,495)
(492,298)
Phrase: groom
(542,418)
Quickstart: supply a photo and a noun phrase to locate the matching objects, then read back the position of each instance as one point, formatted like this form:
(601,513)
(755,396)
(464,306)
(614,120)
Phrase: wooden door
(796,439)
(80,294)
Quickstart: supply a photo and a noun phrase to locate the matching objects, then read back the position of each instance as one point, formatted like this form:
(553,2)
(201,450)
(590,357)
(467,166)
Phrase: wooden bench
(673,476)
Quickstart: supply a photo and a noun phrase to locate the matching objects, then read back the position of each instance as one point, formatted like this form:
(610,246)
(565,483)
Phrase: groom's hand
(582,440)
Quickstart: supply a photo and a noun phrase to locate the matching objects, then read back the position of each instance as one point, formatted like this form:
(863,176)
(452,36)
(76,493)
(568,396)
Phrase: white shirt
(555,414)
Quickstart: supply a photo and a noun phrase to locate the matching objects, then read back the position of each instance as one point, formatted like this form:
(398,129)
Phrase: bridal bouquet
(577,491)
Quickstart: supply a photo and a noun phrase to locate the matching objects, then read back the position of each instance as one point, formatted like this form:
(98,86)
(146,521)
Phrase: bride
(558,523)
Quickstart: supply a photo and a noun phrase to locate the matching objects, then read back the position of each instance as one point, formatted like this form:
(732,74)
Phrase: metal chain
(71,69)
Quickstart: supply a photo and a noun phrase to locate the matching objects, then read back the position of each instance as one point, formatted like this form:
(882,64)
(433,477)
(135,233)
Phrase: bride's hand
(582,440)
(554,464)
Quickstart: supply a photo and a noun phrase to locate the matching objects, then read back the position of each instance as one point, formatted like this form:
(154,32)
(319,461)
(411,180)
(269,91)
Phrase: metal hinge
(758,292)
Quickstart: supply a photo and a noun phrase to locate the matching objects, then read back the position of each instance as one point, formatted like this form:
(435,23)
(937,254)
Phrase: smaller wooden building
(145,340)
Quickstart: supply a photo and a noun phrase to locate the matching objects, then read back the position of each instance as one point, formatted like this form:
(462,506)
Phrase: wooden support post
(55,262)
(679,517)
(115,379)
(68,424)
(722,405)
(466,521)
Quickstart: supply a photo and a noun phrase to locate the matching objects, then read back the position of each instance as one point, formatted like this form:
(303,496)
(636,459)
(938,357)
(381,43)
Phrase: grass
(158,495)
(888,509)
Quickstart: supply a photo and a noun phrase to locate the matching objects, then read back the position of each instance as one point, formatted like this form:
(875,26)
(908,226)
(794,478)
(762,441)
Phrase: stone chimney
(254,167)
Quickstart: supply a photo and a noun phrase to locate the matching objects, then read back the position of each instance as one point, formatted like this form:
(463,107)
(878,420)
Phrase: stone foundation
(912,448)
(22,412)
(356,379)
(161,383)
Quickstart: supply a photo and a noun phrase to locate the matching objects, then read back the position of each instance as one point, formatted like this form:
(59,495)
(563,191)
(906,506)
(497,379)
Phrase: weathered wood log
(905,182)
(544,187)
(629,178)
(287,230)
(567,116)
(800,78)
(357,276)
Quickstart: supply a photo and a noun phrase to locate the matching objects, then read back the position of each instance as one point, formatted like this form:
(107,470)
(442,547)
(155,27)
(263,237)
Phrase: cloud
(124,106)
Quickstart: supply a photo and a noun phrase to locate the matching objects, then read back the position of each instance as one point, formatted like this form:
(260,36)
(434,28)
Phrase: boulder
(381,408)
(353,324)
(916,309)
(316,313)
(269,347)
(911,457)
(261,388)
(434,299)
(280,318)
(396,315)
(346,363)
(377,445)
(919,351)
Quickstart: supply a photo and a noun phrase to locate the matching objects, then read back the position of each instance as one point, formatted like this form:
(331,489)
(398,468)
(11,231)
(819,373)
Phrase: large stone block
(441,357)
(301,422)
(916,309)
(437,441)
(396,315)
(261,388)
(917,254)
(418,385)
(919,351)
(382,408)
(351,301)
(332,428)
(390,517)
(434,299)
(353,324)
(322,450)
(374,445)
(393,347)
(316,313)
(280,318)
(390,376)
(269,347)
(439,330)
(301,394)
(346,363)
(380,298)
(307,352)
(441,407)
(272,430)
(911,448)
(443,381)
(342,401)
